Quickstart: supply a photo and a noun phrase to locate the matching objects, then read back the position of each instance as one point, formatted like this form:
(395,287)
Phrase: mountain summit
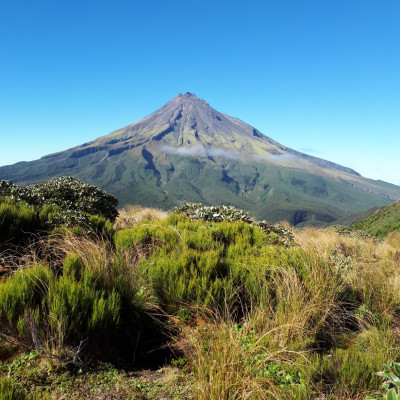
(188,151)
(188,125)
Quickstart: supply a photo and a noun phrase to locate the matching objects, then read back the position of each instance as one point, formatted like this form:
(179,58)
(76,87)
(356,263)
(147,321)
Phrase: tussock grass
(230,361)
(131,215)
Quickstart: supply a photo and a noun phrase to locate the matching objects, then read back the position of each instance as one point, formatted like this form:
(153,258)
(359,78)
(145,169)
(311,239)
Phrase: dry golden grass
(301,305)
(131,215)
(224,369)
(370,267)
(393,240)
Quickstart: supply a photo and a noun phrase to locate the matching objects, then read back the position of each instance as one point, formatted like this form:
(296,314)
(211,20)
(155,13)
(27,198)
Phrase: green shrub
(16,218)
(81,306)
(197,211)
(93,300)
(60,202)
(202,263)
(49,213)
(36,304)
(23,293)
(100,226)
(86,226)
(75,198)
(147,236)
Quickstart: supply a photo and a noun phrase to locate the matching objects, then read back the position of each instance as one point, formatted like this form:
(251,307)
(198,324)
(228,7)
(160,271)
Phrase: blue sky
(320,76)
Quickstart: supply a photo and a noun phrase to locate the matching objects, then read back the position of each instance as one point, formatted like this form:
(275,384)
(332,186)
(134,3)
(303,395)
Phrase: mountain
(188,152)
(381,222)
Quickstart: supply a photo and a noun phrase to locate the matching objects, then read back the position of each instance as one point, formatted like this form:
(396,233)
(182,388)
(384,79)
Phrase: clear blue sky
(320,76)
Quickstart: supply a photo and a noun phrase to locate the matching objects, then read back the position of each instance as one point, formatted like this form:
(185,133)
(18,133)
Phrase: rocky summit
(188,152)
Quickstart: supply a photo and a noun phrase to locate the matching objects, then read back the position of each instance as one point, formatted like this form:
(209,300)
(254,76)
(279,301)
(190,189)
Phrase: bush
(197,211)
(92,303)
(100,226)
(15,219)
(74,197)
(37,304)
(60,202)
(202,263)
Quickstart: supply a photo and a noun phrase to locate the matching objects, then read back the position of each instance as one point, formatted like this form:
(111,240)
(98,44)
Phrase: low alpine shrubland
(203,263)
(248,310)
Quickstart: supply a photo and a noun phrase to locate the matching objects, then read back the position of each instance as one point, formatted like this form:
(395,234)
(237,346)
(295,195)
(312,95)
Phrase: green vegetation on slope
(381,222)
(268,191)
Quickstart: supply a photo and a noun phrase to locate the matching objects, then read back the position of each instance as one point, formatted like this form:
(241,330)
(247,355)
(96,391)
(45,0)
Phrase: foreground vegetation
(198,304)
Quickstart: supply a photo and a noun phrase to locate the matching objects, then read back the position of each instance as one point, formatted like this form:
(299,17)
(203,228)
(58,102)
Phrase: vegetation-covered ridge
(203,303)
(381,222)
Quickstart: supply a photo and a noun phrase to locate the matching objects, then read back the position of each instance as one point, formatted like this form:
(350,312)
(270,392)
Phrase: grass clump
(131,215)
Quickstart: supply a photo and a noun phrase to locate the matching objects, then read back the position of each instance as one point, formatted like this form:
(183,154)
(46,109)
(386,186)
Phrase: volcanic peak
(188,151)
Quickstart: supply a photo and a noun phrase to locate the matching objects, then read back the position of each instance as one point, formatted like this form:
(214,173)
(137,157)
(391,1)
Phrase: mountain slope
(381,222)
(187,151)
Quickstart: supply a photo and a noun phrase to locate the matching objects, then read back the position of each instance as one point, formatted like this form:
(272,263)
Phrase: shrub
(90,301)
(74,197)
(37,304)
(203,263)
(197,211)
(213,213)
(16,218)
(100,227)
